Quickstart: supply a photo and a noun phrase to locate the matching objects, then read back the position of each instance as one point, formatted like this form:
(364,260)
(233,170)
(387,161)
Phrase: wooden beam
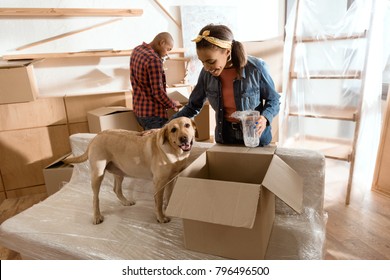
(68,54)
(331,38)
(68,12)
(92,53)
(167,13)
(66,34)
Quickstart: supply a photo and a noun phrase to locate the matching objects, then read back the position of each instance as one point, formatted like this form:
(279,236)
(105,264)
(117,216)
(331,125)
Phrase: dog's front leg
(167,194)
(158,202)
(97,216)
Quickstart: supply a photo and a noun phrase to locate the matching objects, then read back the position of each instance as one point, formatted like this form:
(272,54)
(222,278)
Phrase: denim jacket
(254,91)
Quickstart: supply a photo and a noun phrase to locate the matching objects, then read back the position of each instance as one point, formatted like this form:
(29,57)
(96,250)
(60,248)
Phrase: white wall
(57,77)
(85,75)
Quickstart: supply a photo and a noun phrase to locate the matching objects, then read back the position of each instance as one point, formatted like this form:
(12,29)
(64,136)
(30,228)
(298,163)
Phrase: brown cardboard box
(75,128)
(38,113)
(40,189)
(271,51)
(227,200)
(1,183)
(205,120)
(2,192)
(2,197)
(24,153)
(180,94)
(112,117)
(77,106)
(381,182)
(17,81)
(56,174)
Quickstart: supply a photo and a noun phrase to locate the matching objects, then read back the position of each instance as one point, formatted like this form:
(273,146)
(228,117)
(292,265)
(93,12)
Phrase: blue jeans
(151,122)
(233,135)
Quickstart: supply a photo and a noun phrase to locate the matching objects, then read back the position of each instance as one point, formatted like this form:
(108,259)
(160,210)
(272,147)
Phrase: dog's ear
(162,135)
(195,128)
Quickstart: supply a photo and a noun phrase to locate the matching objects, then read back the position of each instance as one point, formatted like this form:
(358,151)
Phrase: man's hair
(163,36)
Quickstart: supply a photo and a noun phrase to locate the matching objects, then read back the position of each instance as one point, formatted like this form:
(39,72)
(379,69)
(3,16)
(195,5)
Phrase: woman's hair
(222,32)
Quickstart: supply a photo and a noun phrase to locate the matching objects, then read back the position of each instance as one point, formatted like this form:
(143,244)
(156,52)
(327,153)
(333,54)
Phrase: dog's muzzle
(185,145)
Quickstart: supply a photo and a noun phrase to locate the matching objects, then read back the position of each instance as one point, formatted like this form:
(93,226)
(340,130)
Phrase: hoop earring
(229,57)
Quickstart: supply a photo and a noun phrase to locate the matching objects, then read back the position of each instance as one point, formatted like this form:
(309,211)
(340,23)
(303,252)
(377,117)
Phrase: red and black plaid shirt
(149,83)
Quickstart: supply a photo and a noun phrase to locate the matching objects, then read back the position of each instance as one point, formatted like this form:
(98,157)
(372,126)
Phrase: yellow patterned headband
(215,41)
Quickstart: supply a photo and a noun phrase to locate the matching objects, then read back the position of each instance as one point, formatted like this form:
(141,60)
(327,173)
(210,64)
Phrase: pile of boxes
(34,132)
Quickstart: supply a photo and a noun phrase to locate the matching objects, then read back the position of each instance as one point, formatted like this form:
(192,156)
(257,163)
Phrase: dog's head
(179,133)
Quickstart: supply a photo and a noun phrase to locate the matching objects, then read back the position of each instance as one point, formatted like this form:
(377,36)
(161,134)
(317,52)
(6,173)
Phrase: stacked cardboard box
(2,192)
(31,135)
(35,134)
(112,117)
(77,107)
(17,81)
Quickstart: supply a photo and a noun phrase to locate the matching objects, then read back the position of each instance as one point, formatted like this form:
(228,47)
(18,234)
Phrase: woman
(231,81)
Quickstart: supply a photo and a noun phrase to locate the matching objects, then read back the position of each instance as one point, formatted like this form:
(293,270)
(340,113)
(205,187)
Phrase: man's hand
(177,105)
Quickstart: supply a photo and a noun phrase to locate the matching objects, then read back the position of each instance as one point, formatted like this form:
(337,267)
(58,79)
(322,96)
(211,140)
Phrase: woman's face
(213,59)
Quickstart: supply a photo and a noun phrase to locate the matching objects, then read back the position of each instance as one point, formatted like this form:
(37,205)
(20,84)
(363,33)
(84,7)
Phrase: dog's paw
(128,202)
(98,220)
(163,219)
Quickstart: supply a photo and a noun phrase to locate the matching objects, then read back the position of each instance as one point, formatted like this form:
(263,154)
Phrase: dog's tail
(78,159)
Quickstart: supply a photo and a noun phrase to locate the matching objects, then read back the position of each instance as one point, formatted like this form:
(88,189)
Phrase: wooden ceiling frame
(91,53)
(167,13)
(68,12)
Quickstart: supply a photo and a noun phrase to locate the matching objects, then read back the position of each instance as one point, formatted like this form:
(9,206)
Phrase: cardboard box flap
(285,183)
(103,111)
(4,64)
(181,97)
(59,162)
(212,202)
(269,150)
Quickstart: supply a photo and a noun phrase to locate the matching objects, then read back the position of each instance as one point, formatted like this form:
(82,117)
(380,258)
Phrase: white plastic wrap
(319,62)
(61,226)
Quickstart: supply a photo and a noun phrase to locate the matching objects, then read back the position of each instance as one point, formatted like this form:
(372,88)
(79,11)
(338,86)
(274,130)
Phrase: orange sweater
(229,105)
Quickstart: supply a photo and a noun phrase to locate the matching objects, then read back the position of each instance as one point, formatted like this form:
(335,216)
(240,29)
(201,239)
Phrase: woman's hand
(261,124)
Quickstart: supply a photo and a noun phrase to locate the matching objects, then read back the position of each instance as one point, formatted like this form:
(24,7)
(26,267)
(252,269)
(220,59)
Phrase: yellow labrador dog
(159,154)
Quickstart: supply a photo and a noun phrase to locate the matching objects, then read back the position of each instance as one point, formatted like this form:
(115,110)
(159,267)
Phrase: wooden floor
(11,207)
(360,230)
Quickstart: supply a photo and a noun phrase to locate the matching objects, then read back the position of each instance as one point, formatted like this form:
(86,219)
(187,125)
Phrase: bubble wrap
(60,227)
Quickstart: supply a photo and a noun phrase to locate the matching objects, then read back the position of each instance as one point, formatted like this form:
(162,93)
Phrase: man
(150,99)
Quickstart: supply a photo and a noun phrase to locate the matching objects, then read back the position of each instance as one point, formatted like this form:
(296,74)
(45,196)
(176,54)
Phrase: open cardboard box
(226,199)
(112,117)
(180,94)
(57,174)
(17,81)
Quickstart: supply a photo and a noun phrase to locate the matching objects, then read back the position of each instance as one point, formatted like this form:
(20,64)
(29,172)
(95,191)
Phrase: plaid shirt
(149,83)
